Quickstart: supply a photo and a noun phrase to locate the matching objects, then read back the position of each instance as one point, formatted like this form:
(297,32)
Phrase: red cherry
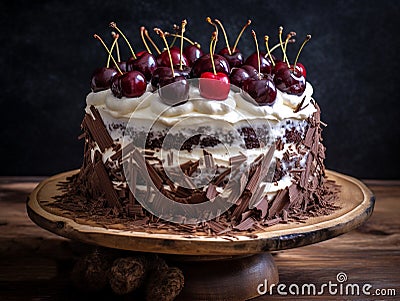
(101,78)
(288,80)
(235,59)
(203,64)
(166,72)
(265,63)
(224,51)
(144,63)
(239,75)
(163,58)
(122,66)
(260,90)
(140,53)
(300,67)
(129,84)
(192,53)
(174,91)
(214,86)
(279,65)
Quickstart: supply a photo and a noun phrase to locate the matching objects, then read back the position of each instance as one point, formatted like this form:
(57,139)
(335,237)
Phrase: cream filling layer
(234,109)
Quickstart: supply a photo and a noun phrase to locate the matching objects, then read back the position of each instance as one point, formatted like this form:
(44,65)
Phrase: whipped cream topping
(233,109)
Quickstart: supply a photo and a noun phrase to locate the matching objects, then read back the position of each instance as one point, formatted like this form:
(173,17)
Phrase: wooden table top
(35,264)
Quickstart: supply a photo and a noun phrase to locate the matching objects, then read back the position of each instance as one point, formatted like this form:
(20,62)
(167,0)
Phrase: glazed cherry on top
(259,76)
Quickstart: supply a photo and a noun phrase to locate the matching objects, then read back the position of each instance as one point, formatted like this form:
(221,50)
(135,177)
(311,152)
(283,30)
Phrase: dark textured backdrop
(48,53)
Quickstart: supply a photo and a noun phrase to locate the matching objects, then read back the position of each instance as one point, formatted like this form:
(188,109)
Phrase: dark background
(47,56)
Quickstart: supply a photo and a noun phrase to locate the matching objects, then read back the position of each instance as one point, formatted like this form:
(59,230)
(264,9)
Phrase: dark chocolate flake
(107,186)
(245,225)
(97,129)
(280,201)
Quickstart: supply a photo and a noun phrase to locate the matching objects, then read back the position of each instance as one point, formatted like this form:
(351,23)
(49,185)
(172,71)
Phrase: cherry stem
(176,29)
(142,30)
(240,35)
(115,36)
(168,34)
(308,38)
(279,45)
(266,38)
(114,25)
(212,47)
(225,35)
(285,59)
(253,33)
(183,25)
(208,19)
(288,37)
(146,33)
(109,52)
(162,35)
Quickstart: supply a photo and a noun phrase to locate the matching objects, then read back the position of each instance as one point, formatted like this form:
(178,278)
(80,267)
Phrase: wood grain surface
(35,264)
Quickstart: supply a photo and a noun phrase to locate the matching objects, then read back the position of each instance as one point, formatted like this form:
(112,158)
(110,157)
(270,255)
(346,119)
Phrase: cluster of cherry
(258,77)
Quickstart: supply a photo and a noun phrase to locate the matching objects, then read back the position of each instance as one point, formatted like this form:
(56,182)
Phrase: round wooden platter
(356,202)
(215,268)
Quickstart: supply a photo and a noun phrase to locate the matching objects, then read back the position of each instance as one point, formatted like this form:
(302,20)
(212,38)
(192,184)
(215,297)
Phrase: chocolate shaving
(211,192)
(314,147)
(208,159)
(218,180)
(272,222)
(281,200)
(308,141)
(254,180)
(189,183)
(262,205)
(298,107)
(245,225)
(97,129)
(256,196)
(197,197)
(135,210)
(261,170)
(170,158)
(243,203)
(279,144)
(216,227)
(237,160)
(107,186)
(189,167)
(117,156)
(295,195)
(305,175)
(284,215)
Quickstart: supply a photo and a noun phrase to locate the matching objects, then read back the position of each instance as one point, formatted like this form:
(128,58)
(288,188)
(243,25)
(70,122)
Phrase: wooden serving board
(356,202)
